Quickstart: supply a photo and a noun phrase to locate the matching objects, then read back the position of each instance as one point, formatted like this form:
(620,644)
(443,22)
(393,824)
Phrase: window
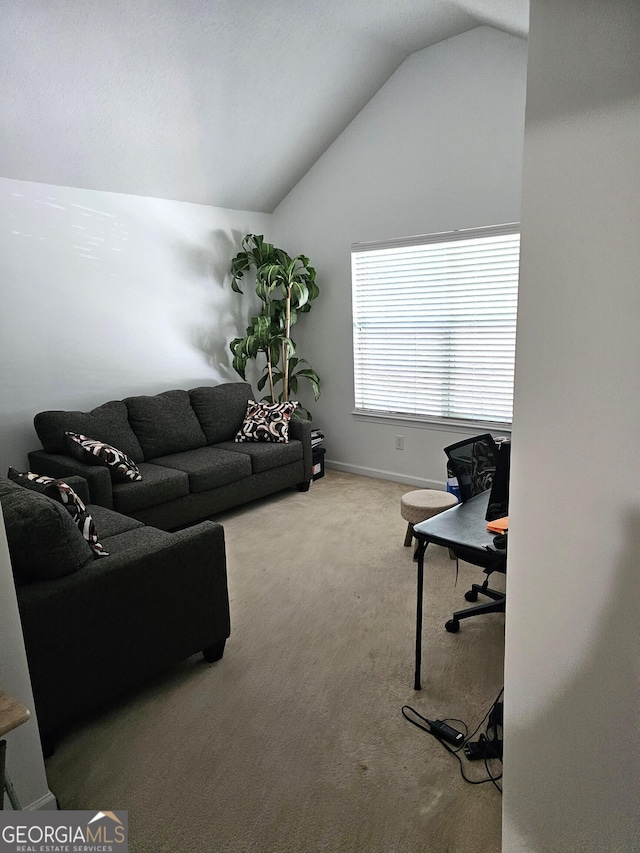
(435,325)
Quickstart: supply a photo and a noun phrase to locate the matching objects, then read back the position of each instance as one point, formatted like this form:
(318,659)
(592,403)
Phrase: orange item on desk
(499,525)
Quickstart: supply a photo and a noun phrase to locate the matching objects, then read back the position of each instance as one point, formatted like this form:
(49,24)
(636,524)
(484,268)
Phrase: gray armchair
(108,624)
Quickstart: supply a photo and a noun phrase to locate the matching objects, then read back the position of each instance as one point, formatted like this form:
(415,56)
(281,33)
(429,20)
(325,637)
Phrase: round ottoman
(422,504)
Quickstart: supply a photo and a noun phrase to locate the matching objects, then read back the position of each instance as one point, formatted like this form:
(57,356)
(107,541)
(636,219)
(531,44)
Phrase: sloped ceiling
(222,102)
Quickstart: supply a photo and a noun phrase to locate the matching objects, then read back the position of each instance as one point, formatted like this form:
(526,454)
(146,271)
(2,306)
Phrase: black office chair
(473,463)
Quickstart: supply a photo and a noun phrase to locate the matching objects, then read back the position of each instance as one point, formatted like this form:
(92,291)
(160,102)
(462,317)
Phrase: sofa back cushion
(165,423)
(221,409)
(108,423)
(44,542)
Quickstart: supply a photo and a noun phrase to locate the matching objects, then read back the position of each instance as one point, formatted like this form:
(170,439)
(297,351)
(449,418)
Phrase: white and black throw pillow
(266,422)
(60,491)
(95,452)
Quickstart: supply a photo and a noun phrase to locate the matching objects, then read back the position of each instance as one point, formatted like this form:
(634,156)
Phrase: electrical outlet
(399,442)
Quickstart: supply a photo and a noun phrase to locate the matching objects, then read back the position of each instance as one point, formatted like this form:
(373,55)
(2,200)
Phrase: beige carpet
(295,740)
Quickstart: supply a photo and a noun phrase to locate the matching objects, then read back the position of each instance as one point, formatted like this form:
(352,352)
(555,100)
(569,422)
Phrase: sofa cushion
(94,452)
(265,455)
(108,423)
(165,423)
(221,409)
(111,523)
(158,485)
(266,422)
(43,541)
(138,542)
(60,491)
(208,467)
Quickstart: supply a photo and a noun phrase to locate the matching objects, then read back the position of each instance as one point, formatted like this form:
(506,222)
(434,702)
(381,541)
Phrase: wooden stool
(422,504)
(12,715)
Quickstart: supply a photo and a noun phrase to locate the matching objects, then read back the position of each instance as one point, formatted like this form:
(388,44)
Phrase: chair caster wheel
(472,595)
(452,626)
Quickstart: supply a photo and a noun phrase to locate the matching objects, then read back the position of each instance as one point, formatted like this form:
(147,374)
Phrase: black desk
(463,529)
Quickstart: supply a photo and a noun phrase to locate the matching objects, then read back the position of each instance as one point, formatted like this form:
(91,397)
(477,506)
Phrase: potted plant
(285,286)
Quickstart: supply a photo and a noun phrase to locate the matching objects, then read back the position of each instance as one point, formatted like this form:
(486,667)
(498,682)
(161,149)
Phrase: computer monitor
(499,497)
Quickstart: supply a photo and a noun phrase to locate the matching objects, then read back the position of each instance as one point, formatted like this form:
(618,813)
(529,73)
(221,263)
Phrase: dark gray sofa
(183,444)
(96,628)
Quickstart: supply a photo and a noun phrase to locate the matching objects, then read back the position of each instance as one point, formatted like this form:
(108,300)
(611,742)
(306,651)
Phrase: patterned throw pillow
(94,452)
(266,422)
(59,491)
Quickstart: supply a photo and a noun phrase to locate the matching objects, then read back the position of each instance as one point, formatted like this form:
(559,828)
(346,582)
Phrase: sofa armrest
(301,431)
(57,465)
(102,630)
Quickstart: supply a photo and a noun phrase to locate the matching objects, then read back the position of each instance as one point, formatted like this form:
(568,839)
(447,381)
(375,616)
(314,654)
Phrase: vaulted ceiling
(222,102)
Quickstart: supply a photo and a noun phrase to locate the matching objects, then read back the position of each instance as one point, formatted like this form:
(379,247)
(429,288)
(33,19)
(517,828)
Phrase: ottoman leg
(408,535)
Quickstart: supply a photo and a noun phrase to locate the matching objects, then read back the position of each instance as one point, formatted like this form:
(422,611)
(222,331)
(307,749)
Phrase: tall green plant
(285,286)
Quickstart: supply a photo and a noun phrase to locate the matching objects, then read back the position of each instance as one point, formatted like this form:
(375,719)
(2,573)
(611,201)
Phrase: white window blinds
(435,324)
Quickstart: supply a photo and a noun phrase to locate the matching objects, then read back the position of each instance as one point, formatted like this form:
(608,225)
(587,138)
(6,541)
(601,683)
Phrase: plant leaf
(299,294)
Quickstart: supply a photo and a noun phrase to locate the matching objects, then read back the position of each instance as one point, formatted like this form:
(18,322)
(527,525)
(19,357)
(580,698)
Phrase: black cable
(406,708)
(424,725)
(486,716)
(488,743)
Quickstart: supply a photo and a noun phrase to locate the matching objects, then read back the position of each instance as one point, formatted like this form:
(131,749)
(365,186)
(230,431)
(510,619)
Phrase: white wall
(25,764)
(572,684)
(438,148)
(104,295)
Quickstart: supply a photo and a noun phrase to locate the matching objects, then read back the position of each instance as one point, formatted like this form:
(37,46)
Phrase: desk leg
(422,547)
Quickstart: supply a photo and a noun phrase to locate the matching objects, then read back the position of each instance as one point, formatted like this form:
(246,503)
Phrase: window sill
(424,422)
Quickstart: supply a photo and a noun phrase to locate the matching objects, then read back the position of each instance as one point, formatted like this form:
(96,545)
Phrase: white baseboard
(418,482)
